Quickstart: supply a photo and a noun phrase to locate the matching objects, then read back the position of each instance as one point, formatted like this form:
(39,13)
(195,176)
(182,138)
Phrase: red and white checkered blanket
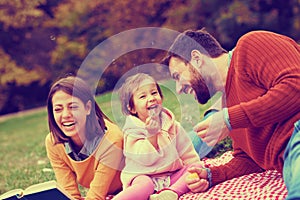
(265,185)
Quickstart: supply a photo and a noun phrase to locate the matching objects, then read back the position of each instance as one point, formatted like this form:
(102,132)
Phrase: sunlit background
(42,40)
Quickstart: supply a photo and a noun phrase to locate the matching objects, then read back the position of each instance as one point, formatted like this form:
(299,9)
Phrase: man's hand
(197,183)
(213,129)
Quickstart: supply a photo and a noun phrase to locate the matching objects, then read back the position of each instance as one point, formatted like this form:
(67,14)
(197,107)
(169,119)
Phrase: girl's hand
(153,122)
(109,197)
(197,180)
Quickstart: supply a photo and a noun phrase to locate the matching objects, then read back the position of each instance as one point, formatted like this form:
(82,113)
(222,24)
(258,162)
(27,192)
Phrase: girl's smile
(146,98)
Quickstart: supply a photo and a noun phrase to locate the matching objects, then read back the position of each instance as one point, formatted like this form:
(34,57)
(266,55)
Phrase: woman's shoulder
(49,140)
(113,130)
(51,146)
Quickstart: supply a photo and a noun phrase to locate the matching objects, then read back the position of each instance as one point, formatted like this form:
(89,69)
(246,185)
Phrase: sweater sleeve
(107,171)
(110,160)
(63,173)
(99,187)
(138,148)
(241,164)
(268,69)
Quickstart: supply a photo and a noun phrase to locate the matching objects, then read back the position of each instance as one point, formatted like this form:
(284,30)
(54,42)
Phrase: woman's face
(70,114)
(146,98)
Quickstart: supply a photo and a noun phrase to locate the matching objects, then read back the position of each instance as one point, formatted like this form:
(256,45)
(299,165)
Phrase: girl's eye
(154,93)
(142,96)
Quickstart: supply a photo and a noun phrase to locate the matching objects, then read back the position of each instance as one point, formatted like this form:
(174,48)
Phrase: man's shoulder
(260,35)
(256,33)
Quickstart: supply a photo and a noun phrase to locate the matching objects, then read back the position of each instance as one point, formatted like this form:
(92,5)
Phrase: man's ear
(196,58)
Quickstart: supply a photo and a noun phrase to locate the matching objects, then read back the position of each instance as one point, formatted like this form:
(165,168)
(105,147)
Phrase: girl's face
(145,98)
(70,114)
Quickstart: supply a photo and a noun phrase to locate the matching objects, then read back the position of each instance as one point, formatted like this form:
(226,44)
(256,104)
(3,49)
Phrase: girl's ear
(131,110)
(88,107)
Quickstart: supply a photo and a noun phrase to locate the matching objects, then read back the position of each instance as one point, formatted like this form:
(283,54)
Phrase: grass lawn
(23,155)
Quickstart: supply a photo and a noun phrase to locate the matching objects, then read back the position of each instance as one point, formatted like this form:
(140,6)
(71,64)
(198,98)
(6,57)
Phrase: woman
(84,146)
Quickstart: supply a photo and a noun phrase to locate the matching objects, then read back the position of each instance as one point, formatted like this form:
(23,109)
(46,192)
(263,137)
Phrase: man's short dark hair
(191,40)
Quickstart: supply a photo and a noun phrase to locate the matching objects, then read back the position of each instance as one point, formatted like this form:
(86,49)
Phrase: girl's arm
(64,175)
(139,148)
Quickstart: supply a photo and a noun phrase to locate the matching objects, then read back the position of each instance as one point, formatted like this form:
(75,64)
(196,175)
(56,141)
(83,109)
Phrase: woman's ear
(88,107)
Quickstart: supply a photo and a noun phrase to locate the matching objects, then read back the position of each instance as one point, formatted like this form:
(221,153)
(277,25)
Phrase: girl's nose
(151,98)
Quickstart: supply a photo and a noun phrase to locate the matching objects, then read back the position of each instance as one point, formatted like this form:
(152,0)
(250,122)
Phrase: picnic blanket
(256,186)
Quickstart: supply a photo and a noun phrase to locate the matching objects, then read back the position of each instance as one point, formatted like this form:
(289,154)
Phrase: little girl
(157,149)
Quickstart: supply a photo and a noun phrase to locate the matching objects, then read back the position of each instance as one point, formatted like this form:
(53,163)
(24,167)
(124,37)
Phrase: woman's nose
(66,113)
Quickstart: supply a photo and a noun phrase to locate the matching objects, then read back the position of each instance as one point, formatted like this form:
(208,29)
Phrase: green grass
(23,159)
(23,154)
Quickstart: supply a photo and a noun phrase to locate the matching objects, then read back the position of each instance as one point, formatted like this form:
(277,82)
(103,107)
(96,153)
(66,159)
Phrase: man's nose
(178,87)
(181,88)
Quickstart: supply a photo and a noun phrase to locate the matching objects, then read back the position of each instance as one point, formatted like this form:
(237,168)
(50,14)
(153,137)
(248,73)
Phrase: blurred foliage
(42,40)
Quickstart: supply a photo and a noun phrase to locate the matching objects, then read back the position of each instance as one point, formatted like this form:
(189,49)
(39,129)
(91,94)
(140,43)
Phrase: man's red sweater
(263,100)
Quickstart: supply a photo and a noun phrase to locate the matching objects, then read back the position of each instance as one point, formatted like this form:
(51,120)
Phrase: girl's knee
(144,180)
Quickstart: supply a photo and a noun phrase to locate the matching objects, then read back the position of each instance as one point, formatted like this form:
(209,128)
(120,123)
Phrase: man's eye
(176,76)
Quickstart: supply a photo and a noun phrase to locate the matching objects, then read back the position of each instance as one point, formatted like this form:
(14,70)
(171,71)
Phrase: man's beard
(200,88)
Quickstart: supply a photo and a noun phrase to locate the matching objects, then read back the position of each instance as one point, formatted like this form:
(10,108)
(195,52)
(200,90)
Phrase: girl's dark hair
(191,40)
(76,87)
(131,84)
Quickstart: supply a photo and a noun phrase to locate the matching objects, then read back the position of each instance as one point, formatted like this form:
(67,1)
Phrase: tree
(42,40)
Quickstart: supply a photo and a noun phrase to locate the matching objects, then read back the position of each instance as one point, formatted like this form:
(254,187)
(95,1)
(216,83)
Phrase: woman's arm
(109,163)
(100,186)
(63,173)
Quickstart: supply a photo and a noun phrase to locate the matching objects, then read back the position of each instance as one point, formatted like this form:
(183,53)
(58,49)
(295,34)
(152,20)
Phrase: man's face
(188,80)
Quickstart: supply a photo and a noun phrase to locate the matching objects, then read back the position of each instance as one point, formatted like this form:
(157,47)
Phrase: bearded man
(260,83)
